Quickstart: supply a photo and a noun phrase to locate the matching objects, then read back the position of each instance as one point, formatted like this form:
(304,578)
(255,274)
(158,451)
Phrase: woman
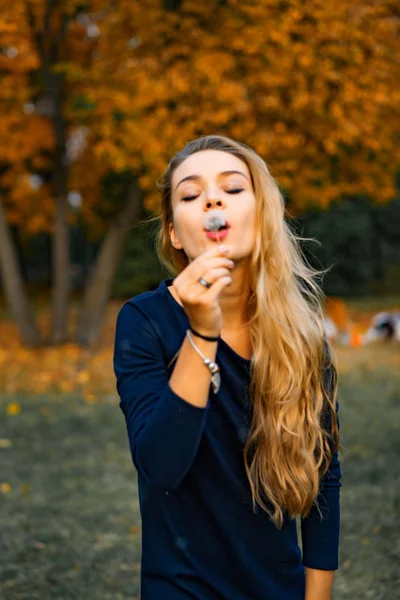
(223,471)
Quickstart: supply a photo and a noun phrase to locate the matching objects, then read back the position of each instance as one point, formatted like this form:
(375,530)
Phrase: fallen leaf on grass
(89,398)
(365,541)
(26,490)
(13,408)
(39,545)
(135,529)
(5,443)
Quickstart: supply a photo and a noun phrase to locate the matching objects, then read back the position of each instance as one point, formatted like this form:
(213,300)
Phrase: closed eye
(235,191)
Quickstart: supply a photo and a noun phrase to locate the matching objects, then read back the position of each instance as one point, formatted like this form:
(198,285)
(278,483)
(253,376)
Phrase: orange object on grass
(336,309)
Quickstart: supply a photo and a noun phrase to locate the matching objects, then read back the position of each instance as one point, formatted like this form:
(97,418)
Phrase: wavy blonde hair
(294,430)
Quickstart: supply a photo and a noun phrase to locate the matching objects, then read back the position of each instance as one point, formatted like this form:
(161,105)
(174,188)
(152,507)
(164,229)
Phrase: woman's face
(205,181)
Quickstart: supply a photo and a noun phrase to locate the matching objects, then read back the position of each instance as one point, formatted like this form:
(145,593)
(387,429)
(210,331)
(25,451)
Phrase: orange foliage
(312,86)
(66,369)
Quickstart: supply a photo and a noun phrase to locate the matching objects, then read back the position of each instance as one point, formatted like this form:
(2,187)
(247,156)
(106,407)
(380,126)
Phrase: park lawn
(70,522)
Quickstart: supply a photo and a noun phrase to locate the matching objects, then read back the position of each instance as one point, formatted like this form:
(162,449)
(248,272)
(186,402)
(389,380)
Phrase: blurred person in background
(384,326)
(224,470)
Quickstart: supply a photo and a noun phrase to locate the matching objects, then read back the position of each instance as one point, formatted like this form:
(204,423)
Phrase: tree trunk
(60,272)
(14,286)
(99,287)
(61,251)
(50,46)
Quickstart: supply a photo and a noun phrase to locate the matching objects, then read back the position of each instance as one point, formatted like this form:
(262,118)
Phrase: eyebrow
(198,177)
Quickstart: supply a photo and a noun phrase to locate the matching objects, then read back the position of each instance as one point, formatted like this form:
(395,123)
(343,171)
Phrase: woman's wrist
(209,337)
(210,364)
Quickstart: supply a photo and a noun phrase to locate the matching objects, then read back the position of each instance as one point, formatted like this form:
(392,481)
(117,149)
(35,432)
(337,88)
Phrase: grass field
(70,525)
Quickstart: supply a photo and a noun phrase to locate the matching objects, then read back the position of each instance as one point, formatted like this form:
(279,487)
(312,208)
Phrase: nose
(213,201)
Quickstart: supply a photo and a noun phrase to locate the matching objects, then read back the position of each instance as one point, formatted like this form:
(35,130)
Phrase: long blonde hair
(293,377)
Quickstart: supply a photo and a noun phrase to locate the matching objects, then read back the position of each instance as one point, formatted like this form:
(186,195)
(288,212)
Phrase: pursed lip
(217,235)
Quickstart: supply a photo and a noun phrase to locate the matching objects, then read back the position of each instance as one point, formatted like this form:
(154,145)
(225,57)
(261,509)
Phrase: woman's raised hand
(201,304)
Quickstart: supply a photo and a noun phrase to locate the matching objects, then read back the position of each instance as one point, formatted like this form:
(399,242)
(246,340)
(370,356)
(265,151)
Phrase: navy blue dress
(201,539)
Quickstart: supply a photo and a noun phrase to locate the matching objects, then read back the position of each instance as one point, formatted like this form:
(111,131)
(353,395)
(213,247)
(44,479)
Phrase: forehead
(208,163)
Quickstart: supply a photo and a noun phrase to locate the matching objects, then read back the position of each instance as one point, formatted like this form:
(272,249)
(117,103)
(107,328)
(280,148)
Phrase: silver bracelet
(212,366)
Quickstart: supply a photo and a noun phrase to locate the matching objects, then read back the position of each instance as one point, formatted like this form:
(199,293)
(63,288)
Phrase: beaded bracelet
(210,364)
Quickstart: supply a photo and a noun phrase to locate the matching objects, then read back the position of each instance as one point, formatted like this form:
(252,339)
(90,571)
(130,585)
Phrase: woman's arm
(165,419)
(320,536)
(318,584)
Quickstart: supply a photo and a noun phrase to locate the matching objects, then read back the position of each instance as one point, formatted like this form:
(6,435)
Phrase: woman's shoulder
(146,302)
(151,320)
(153,309)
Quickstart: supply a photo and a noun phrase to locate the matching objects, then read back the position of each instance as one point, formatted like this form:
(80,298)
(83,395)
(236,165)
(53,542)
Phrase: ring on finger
(205,283)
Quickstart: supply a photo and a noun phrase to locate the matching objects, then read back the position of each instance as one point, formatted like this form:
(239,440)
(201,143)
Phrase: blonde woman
(228,390)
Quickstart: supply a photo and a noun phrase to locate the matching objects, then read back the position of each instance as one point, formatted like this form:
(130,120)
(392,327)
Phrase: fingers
(209,265)
(214,291)
(213,274)
(208,261)
(214,266)
(211,270)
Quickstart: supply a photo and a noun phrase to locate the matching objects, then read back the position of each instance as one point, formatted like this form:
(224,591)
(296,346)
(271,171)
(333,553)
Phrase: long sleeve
(164,429)
(320,538)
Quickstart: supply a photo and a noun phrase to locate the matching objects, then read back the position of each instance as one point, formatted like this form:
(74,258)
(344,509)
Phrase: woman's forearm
(319,584)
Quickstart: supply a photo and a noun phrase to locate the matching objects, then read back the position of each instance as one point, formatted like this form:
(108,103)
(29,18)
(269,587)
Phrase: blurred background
(95,98)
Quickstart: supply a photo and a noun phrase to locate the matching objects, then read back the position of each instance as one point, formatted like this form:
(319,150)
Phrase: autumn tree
(313,87)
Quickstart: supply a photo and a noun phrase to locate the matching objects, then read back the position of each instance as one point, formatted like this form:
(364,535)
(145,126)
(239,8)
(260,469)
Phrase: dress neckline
(167,283)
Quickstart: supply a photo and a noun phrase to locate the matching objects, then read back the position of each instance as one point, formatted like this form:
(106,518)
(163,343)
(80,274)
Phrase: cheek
(179,216)
(187,228)
(249,216)
(183,222)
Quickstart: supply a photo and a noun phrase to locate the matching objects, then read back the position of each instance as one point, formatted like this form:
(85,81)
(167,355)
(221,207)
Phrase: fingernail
(224,248)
